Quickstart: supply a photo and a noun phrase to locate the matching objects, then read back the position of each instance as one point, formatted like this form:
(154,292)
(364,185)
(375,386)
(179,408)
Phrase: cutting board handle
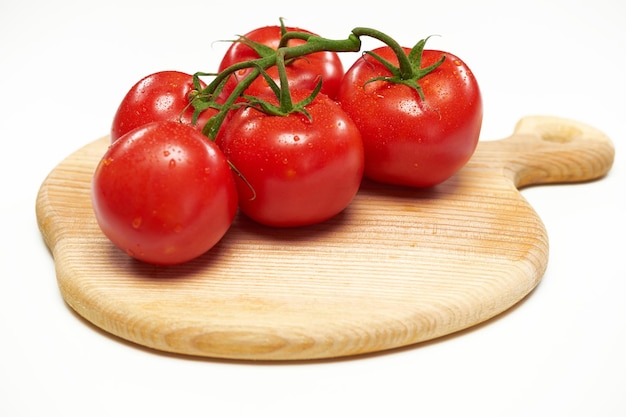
(546,149)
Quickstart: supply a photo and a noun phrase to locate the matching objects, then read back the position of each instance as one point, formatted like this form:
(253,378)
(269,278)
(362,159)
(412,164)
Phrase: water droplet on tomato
(164,102)
(166,153)
(285,161)
(172,163)
(137,222)
(296,138)
(457,63)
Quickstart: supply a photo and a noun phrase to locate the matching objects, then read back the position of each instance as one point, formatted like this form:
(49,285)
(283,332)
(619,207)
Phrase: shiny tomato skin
(164,193)
(409,141)
(302,73)
(298,172)
(159,96)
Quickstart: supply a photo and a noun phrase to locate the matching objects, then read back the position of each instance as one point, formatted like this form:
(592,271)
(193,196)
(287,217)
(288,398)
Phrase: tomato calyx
(286,105)
(409,69)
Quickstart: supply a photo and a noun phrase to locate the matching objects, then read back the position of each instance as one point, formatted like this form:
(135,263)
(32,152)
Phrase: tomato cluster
(283,134)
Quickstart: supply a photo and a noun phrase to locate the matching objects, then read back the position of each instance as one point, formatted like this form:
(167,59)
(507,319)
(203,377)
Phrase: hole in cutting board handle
(558,133)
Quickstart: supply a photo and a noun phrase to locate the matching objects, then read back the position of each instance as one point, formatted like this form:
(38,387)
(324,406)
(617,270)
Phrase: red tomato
(298,171)
(409,140)
(160,96)
(302,73)
(164,193)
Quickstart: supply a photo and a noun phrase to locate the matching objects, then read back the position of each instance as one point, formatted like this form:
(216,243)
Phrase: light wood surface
(398,267)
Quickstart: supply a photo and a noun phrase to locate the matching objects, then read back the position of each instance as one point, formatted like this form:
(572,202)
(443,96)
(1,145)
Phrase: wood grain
(398,267)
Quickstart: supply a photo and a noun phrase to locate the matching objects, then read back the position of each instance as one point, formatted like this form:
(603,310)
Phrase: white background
(65,65)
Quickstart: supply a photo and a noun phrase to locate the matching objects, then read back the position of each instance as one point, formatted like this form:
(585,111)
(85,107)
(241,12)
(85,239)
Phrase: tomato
(164,193)
(160,96)
(297,171)
(409,140)
(302,73)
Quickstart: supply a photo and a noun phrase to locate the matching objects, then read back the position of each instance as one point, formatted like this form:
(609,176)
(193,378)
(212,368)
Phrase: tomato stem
(313,44)
(285,97)
(405,67)
(408,71)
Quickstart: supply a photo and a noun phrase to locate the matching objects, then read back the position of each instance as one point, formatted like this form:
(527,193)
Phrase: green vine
(408,72)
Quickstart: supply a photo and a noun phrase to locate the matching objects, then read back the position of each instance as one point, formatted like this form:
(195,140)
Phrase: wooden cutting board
(398,267)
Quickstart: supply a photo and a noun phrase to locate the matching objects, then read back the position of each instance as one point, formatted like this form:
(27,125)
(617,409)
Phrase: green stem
(213,125)
(284,40)
(404,64)
(313,44)
(406,73)
(285,96)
